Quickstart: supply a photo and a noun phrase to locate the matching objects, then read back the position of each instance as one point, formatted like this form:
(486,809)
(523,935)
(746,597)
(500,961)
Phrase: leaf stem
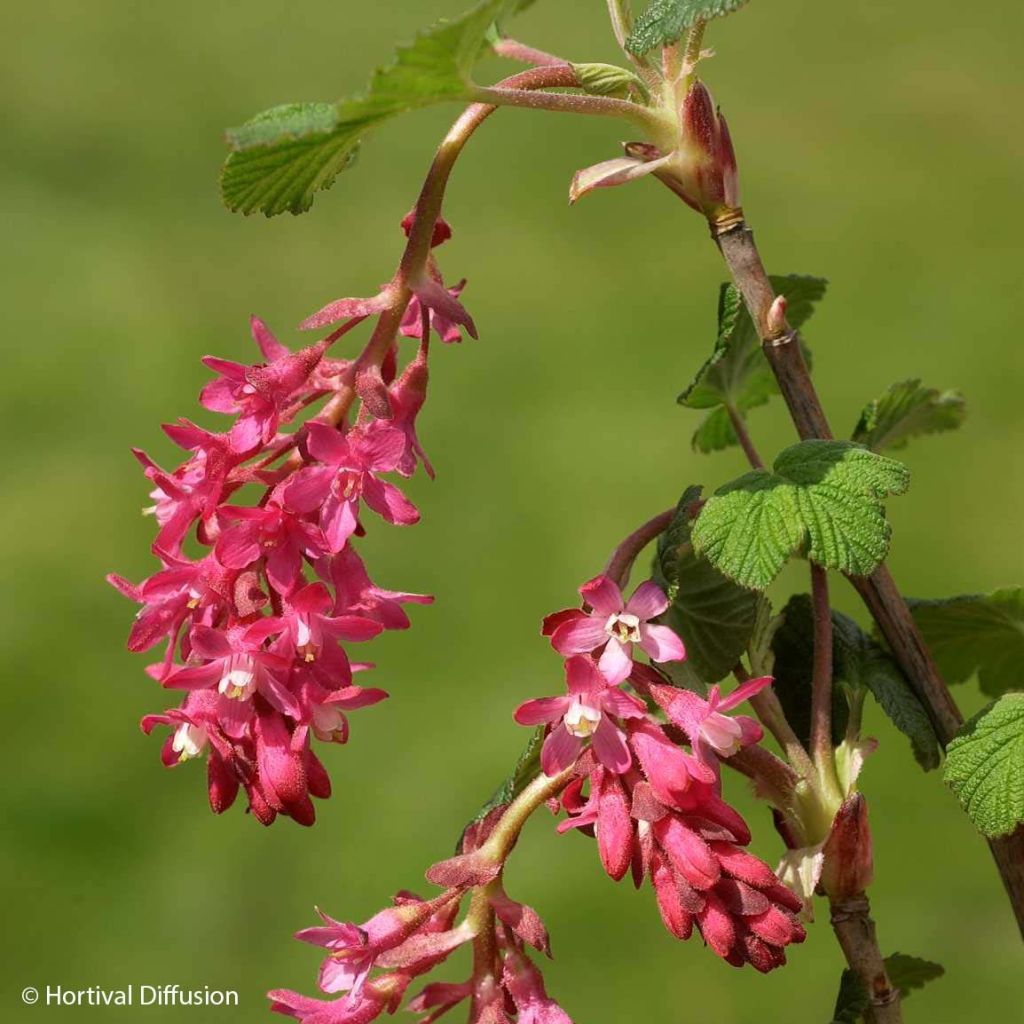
(623,557)
(512,49)
(570,103)
(773,717)
(691,48)
(821,681)
(743,436)
(855,930)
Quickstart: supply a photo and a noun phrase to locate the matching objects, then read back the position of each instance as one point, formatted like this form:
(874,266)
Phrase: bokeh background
(878,146)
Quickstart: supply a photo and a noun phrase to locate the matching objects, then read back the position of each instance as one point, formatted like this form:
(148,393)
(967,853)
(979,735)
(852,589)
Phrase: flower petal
(660,643)
(648,601)
(602,595)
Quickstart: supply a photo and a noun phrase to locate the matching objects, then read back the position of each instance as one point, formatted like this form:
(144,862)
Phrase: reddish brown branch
(851,921)
(878,591)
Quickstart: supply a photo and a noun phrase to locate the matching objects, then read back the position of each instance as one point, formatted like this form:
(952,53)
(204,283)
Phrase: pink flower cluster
(655,807)
(260,584)
(373,964)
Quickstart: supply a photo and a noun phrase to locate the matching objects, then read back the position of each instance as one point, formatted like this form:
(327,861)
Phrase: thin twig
(851,921)
(743,436)
(623,557)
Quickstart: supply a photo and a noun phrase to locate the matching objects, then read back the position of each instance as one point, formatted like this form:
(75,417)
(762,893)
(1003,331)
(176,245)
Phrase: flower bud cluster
(654,806)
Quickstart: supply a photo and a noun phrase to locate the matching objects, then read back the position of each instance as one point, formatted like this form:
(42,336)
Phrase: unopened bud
(441,233)
(849,862)
(776,319)
(707,154)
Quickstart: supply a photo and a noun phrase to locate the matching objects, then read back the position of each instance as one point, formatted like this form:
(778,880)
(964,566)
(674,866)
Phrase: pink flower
(236,665)
(351,464)
(260,395)
(587,711)
(272,531)
(525,984)
(692,852)
(712,734)
(443,312)
(614,625)
(407,395)
(410,936)
(357,594)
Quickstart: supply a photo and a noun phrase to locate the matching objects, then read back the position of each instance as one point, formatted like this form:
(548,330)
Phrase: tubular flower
(613,625)
(588,711)
(256,626)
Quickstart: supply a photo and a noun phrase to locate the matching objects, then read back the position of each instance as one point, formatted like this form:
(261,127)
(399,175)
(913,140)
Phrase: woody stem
(879,592)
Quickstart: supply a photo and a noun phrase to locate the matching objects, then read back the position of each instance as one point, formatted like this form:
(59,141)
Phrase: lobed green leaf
(714,616)
(822,498)
(281,158)
(907,410)
(985,766)
(665,21)
(977,633)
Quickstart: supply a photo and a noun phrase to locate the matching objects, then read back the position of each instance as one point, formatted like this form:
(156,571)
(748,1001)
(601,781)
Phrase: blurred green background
(878,146)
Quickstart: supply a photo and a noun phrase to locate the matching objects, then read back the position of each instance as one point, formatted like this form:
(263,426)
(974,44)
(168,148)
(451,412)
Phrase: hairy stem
(569,103)
(512,49)
(855,930)
(485,951)
(691,48)
(623,557)
(878,591)
(769,711)
(510,824)
(774,780)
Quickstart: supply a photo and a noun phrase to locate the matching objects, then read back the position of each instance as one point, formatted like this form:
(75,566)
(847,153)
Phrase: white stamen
(328,723)
(723,734)
(623,627)
(582,720)
(189,741)
(239,679)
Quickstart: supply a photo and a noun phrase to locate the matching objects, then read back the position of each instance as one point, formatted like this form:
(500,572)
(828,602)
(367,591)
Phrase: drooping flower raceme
(260,588)
(369,968)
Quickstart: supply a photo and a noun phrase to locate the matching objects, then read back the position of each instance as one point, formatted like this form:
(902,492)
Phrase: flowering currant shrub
(261,602)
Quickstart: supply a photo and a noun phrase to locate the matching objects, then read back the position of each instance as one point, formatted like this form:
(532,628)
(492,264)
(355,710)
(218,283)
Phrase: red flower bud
(849,864)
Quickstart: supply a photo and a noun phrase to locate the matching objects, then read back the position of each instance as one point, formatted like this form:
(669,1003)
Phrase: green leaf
(737,375)
(906,410)
(281,158)
(823,498)
(608,80)
(906,973)
(981,633)
(665,21)
(859,665)
(713,615)
(985,766)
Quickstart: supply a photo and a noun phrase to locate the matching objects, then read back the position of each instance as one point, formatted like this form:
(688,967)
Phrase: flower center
(624,627)
(328,723)
(239,678)
(189,741)
(581,720)
(722,733)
